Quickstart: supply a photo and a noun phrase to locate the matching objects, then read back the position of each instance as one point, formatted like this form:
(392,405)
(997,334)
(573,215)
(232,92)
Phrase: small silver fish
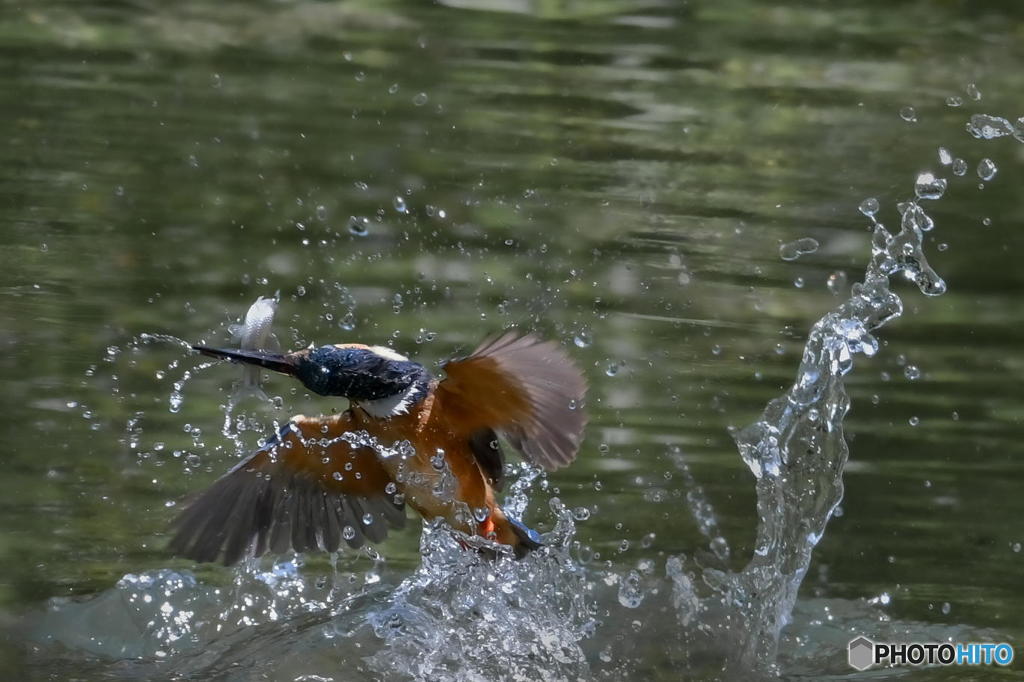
(254,333)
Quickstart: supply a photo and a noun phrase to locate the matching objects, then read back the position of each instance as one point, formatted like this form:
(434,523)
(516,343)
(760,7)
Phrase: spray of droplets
(796,450)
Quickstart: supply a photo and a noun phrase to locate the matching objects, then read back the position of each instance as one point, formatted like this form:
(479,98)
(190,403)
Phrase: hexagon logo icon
(861,654)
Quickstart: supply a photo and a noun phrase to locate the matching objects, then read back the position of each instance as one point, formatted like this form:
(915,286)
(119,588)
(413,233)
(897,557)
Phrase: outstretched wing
(525,388)
(306,489)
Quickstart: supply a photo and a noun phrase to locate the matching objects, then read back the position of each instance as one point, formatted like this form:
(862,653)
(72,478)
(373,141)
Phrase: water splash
(462,616)
(167,615)
(797,450)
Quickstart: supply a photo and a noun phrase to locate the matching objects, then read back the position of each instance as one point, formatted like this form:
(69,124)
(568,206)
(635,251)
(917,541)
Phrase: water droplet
(908,114)
(612,369)
(393,88)
(912,372)
(973,92)
(581,513)
(390,488)
(959,167)
(321,213)
(400,206)
(987,169)
(837,282)
(798,282)
(945,157)
(420,99)
(929,283)
(1016,547)
(630,594)
(348,532)
(367,519)
(582,338)
(359,226)
(987,127)
(792,250)
(927,186)
(946,608)
(914,421)
(720,547)
(954,101)
(869,207)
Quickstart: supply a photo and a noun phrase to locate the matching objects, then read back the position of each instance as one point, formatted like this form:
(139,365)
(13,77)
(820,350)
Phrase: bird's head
(364,374)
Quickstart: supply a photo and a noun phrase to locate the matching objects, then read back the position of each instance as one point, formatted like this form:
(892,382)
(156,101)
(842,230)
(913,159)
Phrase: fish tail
(246,390)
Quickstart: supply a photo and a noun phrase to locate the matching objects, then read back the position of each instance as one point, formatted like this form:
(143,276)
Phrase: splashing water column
(797,450)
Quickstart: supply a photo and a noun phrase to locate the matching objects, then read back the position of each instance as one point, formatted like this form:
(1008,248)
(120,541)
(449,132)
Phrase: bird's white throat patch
(393,405)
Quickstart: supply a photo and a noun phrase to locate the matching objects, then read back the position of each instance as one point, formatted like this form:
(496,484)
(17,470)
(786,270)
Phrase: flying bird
(407,438)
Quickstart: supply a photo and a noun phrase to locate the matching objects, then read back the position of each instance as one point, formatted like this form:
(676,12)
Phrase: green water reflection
(617,173)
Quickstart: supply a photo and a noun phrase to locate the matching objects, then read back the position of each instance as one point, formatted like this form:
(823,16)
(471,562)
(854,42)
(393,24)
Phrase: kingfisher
(407,438)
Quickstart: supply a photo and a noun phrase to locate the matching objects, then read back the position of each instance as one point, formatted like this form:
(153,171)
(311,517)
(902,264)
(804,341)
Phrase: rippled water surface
(669,189)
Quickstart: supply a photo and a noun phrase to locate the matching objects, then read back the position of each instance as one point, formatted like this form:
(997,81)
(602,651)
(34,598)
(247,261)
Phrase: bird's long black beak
(285,364)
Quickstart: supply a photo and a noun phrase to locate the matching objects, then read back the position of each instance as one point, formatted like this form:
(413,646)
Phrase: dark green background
(623,172)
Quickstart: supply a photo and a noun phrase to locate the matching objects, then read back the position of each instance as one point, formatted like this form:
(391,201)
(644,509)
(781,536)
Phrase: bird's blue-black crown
(357,373)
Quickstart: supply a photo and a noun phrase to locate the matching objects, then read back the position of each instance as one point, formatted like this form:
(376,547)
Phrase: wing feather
(285,496)
(527,389)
